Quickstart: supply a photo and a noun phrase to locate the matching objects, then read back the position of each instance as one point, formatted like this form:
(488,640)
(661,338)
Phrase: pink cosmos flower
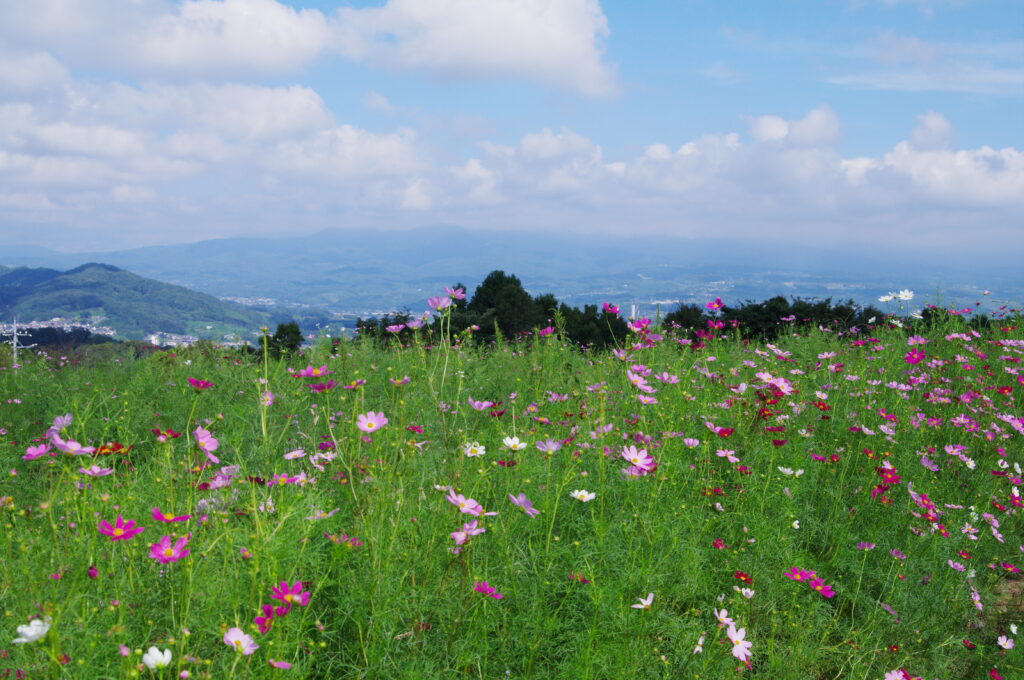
(164,553)
(639,458)
(242,643)
(468,530)
(289,595)
(279,664)
(370,421)
(455,293)
(206,443)
(311,372)
(740,647)
(488,590)
(121,530)
(523,502)
(439,302)
(36,452)
(466,505)
(200,384)
(549,445)
(610,308)
(716,304)
(479,405)
(96,471)
(169,516)
(71,446)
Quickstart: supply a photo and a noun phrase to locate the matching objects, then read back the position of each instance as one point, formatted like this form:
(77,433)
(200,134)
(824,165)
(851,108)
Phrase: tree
(501,298)
(287,339)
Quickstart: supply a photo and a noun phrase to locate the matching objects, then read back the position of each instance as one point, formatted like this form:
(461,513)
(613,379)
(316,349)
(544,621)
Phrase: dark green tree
(287,339)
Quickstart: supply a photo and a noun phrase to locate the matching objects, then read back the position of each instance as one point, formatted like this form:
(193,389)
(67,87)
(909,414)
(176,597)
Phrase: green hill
(132,305)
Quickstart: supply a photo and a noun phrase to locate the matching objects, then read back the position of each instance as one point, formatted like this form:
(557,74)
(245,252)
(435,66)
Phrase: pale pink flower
(370,421)
(242,643)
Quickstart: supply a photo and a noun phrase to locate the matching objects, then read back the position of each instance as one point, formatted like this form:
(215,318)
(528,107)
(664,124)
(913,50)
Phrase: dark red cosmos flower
(112,447)
(743,576)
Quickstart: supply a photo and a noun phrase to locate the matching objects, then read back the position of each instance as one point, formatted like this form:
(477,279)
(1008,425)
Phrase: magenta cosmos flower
(289,594)
(121,530)
(200,384)
(264,622)
(370,421)
(169,516)
(163,552)
(914,356)
(488,590)
(818,585)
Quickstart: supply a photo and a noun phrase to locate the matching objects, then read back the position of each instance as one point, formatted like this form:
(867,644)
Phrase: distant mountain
(130,304)
(368,271)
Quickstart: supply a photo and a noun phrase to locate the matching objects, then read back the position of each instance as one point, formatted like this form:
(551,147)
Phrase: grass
(393,598)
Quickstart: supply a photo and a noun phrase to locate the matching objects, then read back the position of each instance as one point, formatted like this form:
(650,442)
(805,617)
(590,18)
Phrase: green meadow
(838,503)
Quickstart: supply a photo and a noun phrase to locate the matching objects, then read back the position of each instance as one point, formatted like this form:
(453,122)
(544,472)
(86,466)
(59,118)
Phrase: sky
(889,123)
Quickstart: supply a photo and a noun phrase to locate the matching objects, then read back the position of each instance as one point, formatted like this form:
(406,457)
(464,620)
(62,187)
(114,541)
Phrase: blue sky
(138,122)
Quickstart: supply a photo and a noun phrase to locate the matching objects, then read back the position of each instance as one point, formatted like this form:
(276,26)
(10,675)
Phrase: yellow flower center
(168,516)
(288,597)
(118,532)
(168,552)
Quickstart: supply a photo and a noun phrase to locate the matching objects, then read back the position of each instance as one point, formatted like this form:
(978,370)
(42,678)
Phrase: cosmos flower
(121,530)
(583,495)
(523,502)
(35,630)
(163,552)
(488,590)
(155,659)
(370,421)
(243,644)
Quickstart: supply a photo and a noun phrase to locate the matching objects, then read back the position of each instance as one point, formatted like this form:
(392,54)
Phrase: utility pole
(15,334)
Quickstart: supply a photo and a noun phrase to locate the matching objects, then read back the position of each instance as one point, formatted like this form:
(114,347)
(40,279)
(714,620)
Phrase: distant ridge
(366,272)
(132,305)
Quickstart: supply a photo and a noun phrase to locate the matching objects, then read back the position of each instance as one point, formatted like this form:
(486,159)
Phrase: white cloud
(207,37)
(559,42)
(769,128)
(820,127)
(556,42)
(31,72)
(915,65)
(933,131)
(378,103)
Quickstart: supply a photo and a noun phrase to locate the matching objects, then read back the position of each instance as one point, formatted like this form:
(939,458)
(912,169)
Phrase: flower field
(841,503)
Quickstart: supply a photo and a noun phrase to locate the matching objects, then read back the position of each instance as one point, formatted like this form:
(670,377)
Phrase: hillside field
(839,503)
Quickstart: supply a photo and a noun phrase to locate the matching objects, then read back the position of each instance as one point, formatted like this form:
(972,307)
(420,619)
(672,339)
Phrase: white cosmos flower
(154,658)
(35,630)
(583,495)
(905,295)
(474,449)
(513,444)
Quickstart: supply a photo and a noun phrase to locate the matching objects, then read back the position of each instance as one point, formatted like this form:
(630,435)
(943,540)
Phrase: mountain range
(365,272)
(129,304)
